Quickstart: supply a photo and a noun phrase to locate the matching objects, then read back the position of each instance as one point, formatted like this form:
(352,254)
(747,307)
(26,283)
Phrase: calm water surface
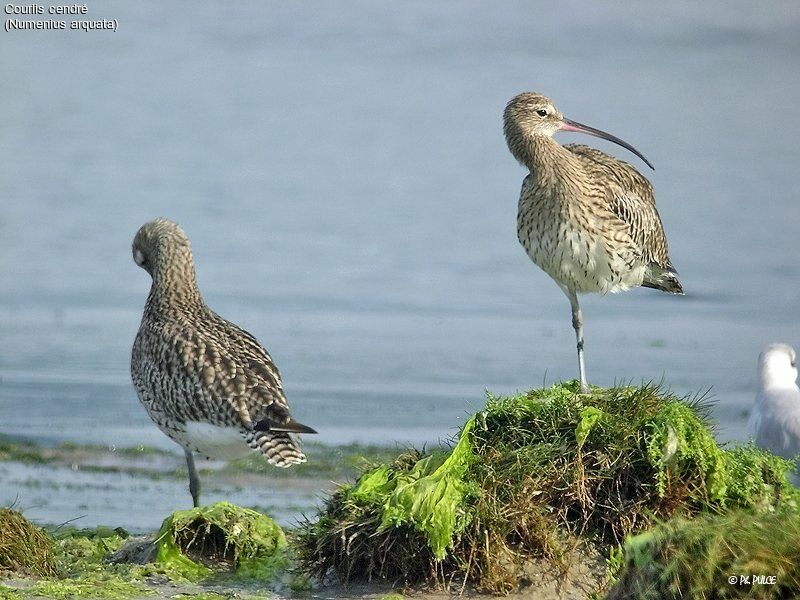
(341,172)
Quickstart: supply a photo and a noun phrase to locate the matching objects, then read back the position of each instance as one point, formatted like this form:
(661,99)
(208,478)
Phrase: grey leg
(577,325)
(194,480)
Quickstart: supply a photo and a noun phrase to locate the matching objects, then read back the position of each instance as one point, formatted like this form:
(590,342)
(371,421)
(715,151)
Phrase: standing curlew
(206,383)
(587,219)
(775,420)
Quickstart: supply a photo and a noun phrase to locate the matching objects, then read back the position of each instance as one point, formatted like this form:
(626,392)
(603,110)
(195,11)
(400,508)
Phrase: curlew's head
(530,115)
(162,249)
(777,366)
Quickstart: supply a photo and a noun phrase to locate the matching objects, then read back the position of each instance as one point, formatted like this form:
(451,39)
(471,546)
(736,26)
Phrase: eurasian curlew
(206,383)
(586,218)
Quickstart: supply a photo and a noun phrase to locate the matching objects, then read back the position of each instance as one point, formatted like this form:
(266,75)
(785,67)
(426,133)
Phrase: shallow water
(342,174)
(63,495)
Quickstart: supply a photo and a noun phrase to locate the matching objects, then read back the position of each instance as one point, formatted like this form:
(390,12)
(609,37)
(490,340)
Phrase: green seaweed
(530,478)
(429,497)
(81,558)
(738,554)
(111,588)
(80,570)
(199,541)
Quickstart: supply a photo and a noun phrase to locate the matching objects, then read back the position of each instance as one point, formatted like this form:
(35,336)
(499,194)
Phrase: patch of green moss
(221,537)
(7,593)
(81,571)
(530,476)
(255,548)
(24,547)
(82,552)
(111,588)
(739,554)
(683,448)
(255,552)
(81,555)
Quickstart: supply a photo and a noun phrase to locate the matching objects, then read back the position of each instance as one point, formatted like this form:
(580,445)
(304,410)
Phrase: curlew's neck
(174,285)
(545,158)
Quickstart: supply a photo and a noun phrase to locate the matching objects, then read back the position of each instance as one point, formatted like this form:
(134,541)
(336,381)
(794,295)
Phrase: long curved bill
(568,125)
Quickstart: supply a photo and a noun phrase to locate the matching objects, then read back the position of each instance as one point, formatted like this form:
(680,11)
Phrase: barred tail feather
(280,449)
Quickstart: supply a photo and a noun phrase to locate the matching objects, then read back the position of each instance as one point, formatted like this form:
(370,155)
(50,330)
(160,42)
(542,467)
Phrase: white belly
(581,262)
(214,441)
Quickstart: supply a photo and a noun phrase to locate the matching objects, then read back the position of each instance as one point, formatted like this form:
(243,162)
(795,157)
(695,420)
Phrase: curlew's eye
(542,112)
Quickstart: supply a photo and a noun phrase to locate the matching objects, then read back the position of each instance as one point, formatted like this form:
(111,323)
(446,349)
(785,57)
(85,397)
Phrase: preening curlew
(586,218)
(206,383)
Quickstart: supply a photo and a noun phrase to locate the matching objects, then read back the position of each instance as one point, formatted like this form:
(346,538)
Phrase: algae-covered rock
(530,478)
(740,554)
(24,547)
(221,537)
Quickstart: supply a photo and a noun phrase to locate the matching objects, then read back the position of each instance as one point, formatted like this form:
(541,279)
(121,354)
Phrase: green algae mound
(532,477)
(24,548)
(213,546)
(741,554)
(221,537)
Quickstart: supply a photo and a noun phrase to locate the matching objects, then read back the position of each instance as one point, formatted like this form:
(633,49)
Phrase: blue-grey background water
(341,172)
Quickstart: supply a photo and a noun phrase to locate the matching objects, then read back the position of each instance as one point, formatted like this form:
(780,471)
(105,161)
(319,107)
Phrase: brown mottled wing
(247,379)
(224,376)
(630,199)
